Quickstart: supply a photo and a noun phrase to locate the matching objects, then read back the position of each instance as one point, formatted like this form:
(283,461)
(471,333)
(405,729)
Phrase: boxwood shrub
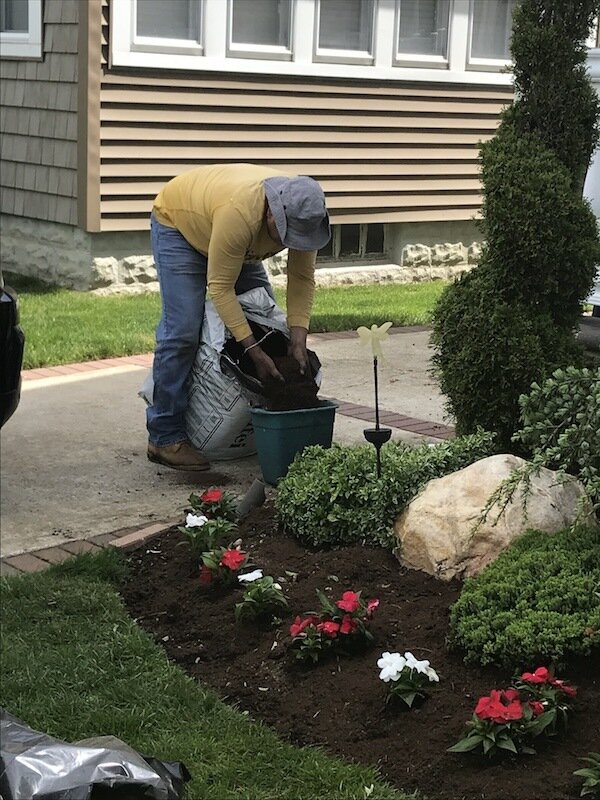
(539,602)
(332,496)
(561,425)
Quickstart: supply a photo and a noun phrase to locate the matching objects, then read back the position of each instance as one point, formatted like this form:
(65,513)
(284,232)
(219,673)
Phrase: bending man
(211,227)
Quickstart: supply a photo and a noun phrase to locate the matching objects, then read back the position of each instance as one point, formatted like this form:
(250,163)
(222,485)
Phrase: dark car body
(12,345)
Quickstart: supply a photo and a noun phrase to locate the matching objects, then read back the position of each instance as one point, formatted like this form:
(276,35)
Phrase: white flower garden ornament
(373,337)
(195,520)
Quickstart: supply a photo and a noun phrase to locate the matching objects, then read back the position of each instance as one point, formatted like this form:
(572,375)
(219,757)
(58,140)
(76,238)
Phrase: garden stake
(377,436)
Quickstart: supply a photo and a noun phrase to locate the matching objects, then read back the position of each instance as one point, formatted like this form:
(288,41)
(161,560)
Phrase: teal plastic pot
(280,435)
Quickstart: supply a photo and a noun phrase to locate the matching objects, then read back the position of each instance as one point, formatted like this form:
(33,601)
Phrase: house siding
(38,123)
(383,151)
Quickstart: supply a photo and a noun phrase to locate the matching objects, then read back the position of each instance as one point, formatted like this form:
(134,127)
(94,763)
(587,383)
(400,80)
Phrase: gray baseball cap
(299,210)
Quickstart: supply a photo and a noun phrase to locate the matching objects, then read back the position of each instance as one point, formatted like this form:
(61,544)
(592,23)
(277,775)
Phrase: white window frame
(24,44)
(487,64)
(155,44)
(334,56)
(216,54)
(271,52)
(421,60)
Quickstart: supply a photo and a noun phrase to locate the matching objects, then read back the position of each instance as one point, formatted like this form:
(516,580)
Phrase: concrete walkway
(74,460)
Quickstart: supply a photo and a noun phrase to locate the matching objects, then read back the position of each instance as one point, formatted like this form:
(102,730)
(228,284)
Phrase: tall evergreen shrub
(510,321)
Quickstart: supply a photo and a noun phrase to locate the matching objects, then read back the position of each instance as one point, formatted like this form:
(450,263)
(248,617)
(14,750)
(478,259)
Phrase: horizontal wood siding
(38,123)
(383,151)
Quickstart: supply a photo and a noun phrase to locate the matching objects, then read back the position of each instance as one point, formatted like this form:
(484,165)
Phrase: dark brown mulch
(339,704)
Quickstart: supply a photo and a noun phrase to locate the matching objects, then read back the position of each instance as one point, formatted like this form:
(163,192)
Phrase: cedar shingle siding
(38,123)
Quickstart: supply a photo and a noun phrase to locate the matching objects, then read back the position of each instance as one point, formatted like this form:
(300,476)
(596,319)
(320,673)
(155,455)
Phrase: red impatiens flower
(537,707)
(299,625)
(348,624)
(541,675)
(500,707)
(350,602)
(372,605)
(329,628)
(564,687)
(233,559)
(211,496)
(206,576)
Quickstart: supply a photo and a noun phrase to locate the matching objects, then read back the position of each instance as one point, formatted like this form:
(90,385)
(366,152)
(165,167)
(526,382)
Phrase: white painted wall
(592,183)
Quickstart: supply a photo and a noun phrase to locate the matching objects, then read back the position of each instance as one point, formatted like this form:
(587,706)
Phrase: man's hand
(297,347)
(265,368)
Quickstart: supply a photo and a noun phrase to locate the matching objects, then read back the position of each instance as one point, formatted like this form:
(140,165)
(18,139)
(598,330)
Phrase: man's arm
(300,294)
(229,243)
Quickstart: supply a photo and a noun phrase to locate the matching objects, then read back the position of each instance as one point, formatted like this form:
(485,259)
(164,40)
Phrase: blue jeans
(182,278)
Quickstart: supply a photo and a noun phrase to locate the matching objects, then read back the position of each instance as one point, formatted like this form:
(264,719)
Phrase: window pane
(423,28)
(265,22)
(375,238)
(350,244)
(14,15)
(346,24)
(176,19)
(327,251)
(492,28)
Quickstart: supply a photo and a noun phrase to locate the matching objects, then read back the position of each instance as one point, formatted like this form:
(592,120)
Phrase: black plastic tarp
(35,766)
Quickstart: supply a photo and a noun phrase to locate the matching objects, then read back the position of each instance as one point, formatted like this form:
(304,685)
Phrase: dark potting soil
(298,391)
(339,703)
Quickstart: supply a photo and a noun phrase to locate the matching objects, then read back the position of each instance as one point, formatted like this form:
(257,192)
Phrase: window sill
(245,65)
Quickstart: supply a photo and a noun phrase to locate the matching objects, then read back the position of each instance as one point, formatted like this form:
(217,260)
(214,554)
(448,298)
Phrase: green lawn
(74,665)
(63,326)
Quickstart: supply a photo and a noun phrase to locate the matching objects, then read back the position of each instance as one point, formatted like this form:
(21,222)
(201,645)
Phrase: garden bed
(340,703)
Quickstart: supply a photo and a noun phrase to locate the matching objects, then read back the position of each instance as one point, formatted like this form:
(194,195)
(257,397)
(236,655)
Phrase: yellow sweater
(220,211)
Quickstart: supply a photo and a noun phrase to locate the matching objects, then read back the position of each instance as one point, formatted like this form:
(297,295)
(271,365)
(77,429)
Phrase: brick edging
(391,419)
(142,360)
(38,560)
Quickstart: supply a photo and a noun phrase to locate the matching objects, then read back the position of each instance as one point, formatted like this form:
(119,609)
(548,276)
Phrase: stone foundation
(111,263)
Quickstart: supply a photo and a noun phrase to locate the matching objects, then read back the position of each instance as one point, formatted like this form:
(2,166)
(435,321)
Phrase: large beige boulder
(438,532)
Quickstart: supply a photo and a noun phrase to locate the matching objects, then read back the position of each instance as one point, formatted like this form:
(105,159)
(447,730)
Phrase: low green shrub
(331,496)
(539,602)
(561,425)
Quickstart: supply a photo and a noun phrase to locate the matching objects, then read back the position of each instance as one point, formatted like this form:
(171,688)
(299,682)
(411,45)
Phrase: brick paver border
(38,560)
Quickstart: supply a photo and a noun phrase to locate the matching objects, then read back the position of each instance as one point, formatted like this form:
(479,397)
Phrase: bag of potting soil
(221,386)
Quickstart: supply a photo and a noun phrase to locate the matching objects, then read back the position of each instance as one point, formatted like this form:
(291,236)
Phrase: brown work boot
(178,456)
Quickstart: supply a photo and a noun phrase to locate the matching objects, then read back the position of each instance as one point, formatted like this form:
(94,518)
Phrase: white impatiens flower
(249,577)
(422,667)
(277,586)
(373,337)
(195,520)
(391,666)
